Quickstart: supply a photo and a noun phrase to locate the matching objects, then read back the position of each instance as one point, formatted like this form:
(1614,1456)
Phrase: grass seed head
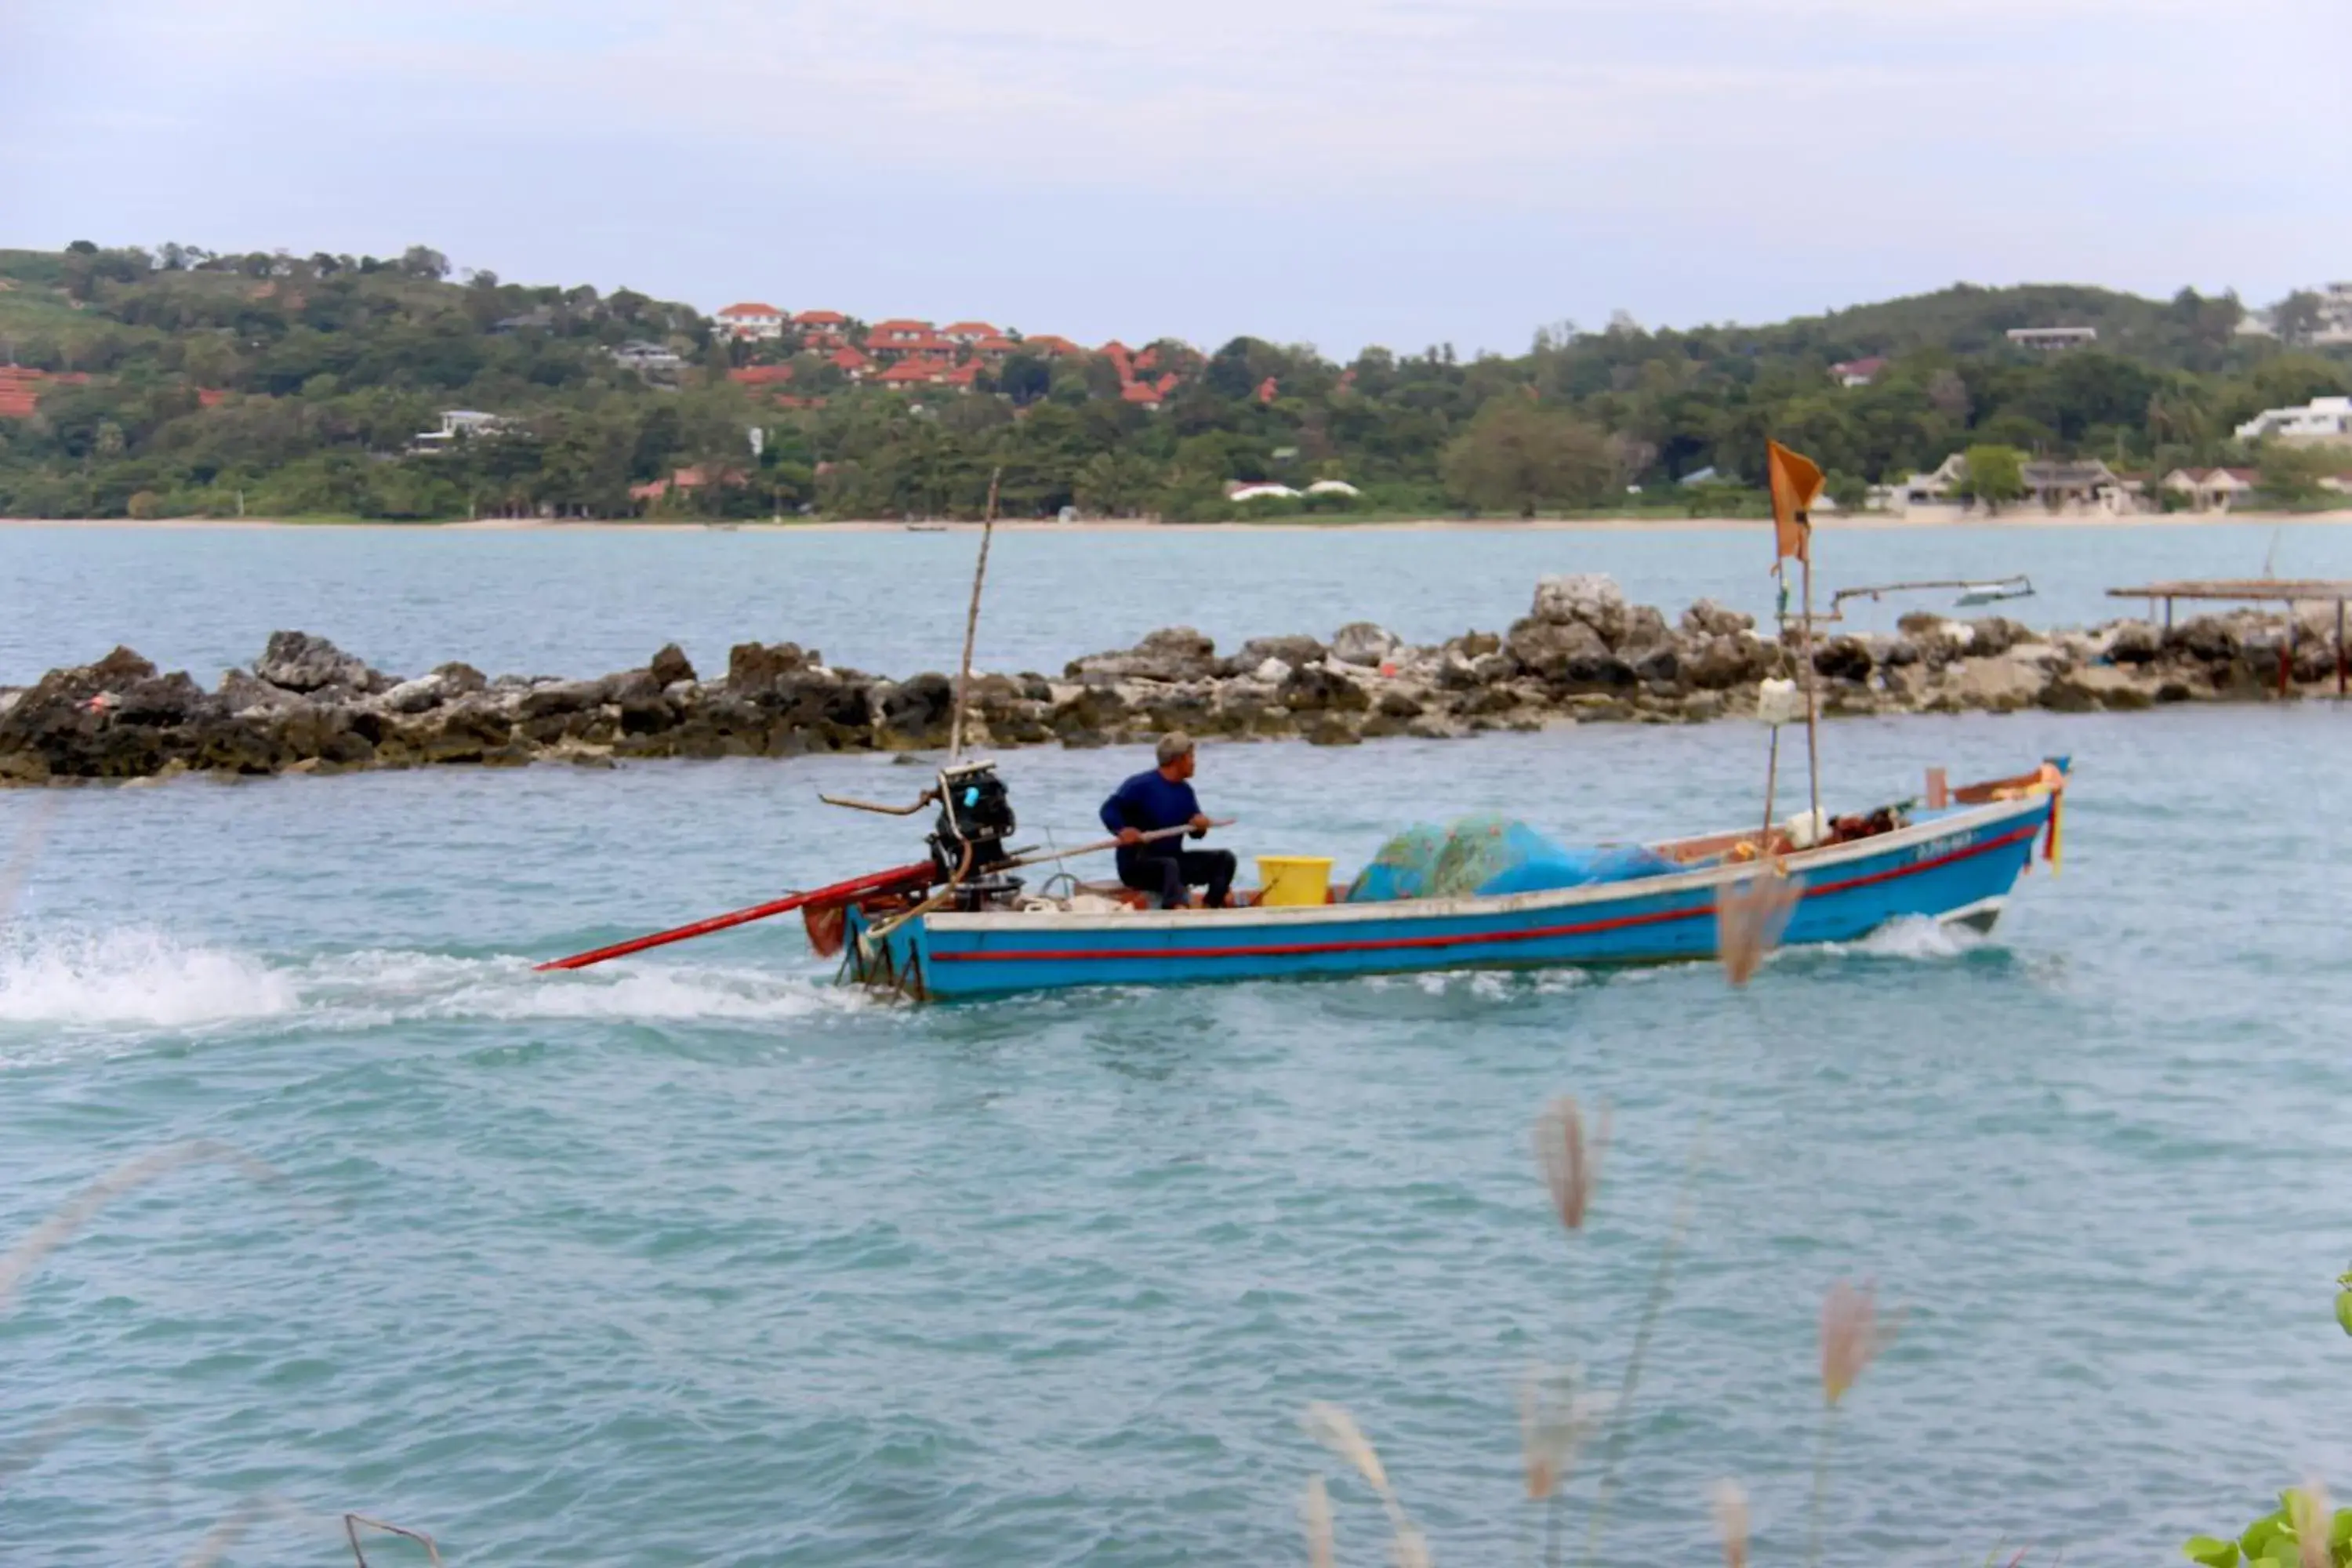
(1570,1158)
(1852,1335)
(1729,1506)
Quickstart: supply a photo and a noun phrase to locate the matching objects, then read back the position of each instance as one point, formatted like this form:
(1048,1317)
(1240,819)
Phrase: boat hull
(1957,867)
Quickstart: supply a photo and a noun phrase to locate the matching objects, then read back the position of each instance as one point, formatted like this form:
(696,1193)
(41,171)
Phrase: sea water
(699,1258)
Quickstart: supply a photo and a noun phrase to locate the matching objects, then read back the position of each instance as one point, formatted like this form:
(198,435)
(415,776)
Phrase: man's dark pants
(1167,873)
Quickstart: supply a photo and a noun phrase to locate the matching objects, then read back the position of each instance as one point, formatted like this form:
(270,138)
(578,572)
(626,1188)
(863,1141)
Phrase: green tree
(1995,475)
(2295,473)
(1516,456)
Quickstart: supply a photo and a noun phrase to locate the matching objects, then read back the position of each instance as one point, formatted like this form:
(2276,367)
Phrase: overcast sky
(1333,171)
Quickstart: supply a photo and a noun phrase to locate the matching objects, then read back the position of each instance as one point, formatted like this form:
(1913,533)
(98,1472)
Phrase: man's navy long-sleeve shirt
(1149,802)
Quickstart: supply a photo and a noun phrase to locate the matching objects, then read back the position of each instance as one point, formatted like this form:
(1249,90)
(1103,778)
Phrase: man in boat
(1155,800)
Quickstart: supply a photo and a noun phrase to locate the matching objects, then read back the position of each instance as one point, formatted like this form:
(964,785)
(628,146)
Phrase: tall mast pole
(971,622)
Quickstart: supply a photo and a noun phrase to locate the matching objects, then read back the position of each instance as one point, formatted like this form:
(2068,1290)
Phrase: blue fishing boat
(1957,862)
(1481,894)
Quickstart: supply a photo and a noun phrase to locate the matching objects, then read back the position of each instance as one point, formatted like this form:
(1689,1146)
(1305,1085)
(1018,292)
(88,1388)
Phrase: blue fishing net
(1491,855)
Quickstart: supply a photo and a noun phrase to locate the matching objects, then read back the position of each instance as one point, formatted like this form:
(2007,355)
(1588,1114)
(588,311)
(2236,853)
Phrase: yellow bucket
(1294,879)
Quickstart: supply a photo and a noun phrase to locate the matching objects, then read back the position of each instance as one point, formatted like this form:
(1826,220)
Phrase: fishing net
(1489,855)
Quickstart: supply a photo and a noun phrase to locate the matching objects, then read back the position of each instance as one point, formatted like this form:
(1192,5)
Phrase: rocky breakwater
(1582,655)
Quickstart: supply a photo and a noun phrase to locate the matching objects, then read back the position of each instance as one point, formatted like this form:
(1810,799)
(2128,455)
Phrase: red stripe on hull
(1464,938)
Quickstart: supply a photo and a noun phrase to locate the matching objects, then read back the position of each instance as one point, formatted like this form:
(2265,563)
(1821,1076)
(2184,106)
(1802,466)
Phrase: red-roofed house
(994,349)
(1857,372)
(1141,392)
(1266,389)
(849,361)
(1166,384)
(692,478)
(211,397)
(914,372)
(823,320)
(962,377)
(752,319)
(21,389)
(761,374)
(898,330)
(1116,350)
(1051,347)
(968,332)
(1148,360)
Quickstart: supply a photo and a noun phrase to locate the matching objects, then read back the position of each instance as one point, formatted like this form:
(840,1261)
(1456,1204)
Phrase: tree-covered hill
(182,383)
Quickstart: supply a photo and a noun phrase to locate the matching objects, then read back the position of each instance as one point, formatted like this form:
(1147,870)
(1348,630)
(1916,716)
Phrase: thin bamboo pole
(1812,724)
(971,622)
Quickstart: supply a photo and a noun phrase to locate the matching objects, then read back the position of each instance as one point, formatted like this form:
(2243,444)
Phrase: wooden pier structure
(2289,591)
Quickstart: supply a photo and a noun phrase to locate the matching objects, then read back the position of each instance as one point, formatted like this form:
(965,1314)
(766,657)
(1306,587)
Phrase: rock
(914,713)
(1644,628)
(460,680)
(1492,669)
(753,668)
(1272,672)
(2135,642)
(1843,659)
(2001,685)
(1470,644)
(1169,654)
(670,666)
(1548,647)
(1291,650)
(1589,599)
(1992,635)
(1705,619)
(417,696)
(1363,643)
(298,661)
(171,699)
(1605,672)
(1700,706)
(1659,664)
(1316,689)
(240,692)
(1396,702)
(559,697)
(2211,639)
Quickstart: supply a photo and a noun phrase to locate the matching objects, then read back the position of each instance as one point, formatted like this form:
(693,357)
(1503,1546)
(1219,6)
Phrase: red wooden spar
(921,873)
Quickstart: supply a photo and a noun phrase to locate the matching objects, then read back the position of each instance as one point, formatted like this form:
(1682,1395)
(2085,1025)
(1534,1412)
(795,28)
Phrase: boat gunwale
(1802,865)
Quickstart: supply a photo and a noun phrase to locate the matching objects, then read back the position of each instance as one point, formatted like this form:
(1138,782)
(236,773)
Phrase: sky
(1337,173)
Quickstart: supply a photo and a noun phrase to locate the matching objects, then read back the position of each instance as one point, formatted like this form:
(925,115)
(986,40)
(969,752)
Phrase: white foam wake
(1915,937)
(137,982)
(132,977)
(391,986)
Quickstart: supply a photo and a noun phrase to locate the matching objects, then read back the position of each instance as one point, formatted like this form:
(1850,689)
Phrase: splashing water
(132,977)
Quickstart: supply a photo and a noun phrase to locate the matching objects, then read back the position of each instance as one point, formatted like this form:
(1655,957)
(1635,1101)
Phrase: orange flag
(1796,486)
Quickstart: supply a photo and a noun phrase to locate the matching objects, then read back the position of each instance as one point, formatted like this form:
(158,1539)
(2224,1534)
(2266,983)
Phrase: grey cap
(1173,745)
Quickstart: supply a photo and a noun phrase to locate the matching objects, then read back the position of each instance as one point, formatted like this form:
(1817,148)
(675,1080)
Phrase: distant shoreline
(1859,524)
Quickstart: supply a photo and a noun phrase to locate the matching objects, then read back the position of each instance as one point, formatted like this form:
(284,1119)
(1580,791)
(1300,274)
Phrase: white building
(2322,420)
(2333,328)
(752,319)
(2213,490)
(648,358)
(458,425)
(2052,337)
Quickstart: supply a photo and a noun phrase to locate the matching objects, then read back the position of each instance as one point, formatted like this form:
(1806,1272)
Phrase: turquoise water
(580,604)
(696,1258)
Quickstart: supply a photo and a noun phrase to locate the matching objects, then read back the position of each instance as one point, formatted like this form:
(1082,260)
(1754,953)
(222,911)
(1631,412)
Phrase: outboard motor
(975,814)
